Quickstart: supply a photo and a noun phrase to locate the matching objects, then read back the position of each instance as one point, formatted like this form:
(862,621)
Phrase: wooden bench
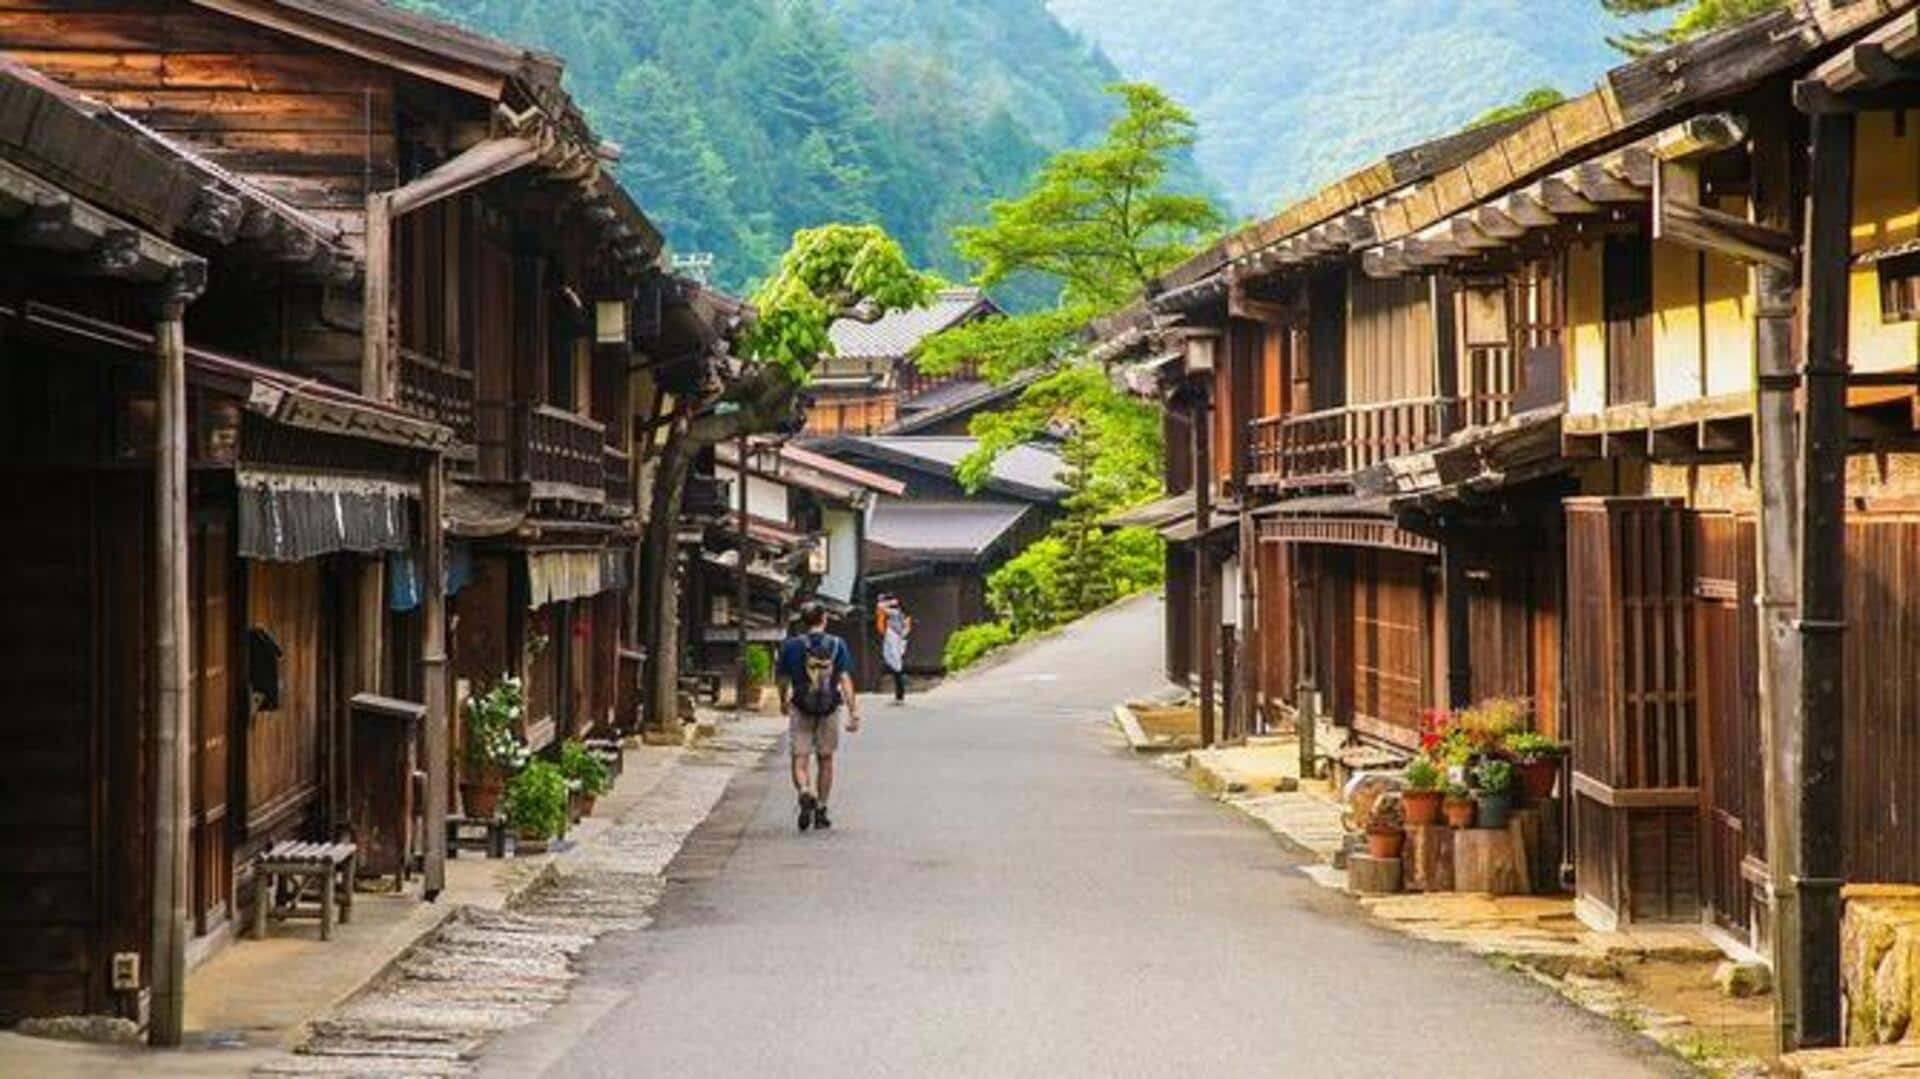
(476,833)
(291,870)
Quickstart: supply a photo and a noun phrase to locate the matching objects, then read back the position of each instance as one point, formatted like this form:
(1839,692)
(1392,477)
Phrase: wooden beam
(471,168)
(1818,99)
(1706,229)
(1526,210)
(216,215)
(376,325)
(1497,224)
(1468,235)
(1558,195)
(1600,185)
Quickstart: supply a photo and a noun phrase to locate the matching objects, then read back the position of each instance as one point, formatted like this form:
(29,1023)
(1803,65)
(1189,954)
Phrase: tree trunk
(659,590)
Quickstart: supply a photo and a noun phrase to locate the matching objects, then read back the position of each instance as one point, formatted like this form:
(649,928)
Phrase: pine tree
(1693,18)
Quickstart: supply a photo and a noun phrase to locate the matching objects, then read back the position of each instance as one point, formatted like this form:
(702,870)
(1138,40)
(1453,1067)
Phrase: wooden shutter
(213,703)
(1630,689)
(1627,295)
(1728,687)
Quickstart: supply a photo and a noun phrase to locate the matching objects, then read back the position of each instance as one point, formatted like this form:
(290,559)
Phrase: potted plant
(1493,792)
(1386,826)
(1458,804)
(759,674)
(1538,760)
(588,777)
(536,802)
(493,748)
(1422,796)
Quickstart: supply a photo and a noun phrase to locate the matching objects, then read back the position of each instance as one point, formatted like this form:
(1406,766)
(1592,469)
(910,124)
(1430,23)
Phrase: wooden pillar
(1206,614)
(173,676)
(1811,750)
(376,330)
(1454,591)
(741,595)
(433,672)
(1253,628)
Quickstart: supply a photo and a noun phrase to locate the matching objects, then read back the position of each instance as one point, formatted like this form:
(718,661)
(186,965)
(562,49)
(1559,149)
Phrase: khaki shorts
(809,736)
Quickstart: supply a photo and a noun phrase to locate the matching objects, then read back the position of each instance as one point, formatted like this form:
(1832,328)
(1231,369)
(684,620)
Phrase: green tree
(830,273)
(1692,18)
(1534,100)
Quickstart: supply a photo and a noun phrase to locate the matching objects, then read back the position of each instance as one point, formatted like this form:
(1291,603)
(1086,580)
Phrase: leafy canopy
(1692,19)
(831,272)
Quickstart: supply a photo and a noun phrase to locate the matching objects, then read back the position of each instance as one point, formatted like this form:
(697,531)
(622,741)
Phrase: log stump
(1487,860)
(1427,859)
(1526,827)
(1367,875)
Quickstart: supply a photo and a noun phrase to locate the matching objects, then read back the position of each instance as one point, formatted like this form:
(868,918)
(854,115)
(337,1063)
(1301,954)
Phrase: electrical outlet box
(126,971)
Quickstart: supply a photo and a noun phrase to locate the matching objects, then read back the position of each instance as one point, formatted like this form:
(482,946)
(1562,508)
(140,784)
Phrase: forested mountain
(1293,93)
(744,120)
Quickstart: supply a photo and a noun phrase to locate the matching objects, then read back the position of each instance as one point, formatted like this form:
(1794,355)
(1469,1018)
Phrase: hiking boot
(810,812)
(820,820)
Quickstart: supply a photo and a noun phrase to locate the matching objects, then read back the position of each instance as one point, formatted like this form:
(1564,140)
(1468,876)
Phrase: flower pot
(1423,807)
(480,796)
(527,843)
(1385,843)
(1492,810)
(1538,776)
(1459,812)
(585,802)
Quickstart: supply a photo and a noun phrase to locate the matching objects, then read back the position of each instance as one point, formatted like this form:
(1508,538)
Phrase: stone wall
(1880,963)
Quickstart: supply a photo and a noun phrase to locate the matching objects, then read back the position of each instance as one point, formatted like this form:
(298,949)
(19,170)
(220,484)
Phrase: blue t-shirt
(792,664)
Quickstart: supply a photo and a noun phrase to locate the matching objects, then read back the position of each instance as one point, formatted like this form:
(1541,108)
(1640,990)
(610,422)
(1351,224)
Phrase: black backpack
(818,695)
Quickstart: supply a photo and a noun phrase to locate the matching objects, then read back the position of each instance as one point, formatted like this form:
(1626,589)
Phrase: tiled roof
(895,335)
(1029,471)
(942,530)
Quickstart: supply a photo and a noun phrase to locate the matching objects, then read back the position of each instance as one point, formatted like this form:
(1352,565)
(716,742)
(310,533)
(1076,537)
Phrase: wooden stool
(475,833)
(289,869)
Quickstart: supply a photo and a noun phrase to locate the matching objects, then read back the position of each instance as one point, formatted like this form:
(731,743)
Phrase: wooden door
(1733,811)
(211,765)
(1630,690)
(1391,650)
(1627,294)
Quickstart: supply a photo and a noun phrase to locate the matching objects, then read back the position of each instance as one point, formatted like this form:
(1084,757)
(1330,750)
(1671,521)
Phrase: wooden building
(1612,407)
(873,385)
(933,543)
(404,446)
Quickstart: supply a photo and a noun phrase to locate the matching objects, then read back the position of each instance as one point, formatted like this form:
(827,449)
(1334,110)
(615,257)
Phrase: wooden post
(740,593)
(1815,869)
(1253,630)
(376,329)
(1453,572)
(1229,682)
(1206,613)
(433,672)
(173,676)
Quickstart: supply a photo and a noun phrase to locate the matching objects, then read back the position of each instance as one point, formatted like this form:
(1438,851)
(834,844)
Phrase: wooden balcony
(437,391)
(561,454)
(1328,446)
(618,472)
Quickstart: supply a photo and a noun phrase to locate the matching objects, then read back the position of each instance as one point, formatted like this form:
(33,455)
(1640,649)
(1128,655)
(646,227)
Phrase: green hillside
(744,120)
(1293,93)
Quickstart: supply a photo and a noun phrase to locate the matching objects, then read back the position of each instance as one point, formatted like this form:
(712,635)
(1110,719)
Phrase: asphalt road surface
(1007,893)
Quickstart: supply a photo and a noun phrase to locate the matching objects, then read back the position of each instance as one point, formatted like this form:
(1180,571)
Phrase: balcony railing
(618,470)
(1337,442)
(1491,384)
(437,391)
(558,447)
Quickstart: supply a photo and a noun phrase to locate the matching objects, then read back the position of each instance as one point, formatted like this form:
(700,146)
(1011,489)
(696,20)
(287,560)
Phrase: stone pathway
(486,972)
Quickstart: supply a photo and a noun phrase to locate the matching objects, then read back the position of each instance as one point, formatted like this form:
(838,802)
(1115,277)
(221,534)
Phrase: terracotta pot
(524,843)
(480,796)
(1492,810)
(1423,807)
(1459,812)
(1538,776)
(586,805)
(1385,844)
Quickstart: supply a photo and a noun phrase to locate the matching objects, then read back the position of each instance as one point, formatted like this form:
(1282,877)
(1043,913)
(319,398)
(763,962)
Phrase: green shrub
(492,717)
(969,643)
(537,801)
(759,664)
(584,771)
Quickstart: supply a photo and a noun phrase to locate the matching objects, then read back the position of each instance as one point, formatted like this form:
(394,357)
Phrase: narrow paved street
(1007,893)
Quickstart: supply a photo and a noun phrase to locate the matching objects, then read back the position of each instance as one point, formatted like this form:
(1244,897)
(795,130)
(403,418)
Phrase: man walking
(815,671)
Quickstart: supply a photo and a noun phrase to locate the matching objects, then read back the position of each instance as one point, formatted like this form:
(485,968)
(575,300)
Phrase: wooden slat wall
(312,126)
(1276,661)
(1179,614)
(1882,753)
(214,703)
(1627,297)
(1390,340)
(283,746)
(1734,805)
